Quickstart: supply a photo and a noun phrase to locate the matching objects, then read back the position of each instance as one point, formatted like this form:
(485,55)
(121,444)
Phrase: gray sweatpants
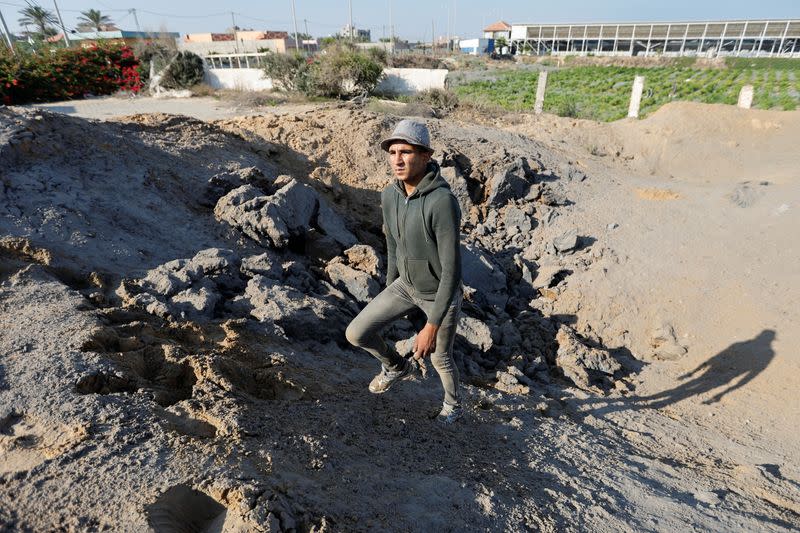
(396,301)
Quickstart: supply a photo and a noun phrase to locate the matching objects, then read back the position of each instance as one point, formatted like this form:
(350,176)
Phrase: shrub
(441,101)
(63,74)
(339,71)
(185,70)
(289,72)
(343,71)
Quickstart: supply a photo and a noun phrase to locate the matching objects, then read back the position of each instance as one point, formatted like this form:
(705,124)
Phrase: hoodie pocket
(421,275)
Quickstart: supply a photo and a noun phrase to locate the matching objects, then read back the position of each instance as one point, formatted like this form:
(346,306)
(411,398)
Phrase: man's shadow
(732,368)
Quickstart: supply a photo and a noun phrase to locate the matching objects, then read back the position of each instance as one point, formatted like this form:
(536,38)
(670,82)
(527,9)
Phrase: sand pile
(161,277)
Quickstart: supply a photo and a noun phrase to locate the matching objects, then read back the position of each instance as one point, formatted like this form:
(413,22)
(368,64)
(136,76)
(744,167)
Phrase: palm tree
(93,20)
(38,17)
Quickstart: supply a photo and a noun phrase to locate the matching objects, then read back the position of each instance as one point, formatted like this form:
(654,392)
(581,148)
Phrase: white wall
(243,79)
(411,80)
(395,81)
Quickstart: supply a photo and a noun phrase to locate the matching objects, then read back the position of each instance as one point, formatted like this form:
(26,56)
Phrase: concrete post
(636,97)
(538,106)
(746,97)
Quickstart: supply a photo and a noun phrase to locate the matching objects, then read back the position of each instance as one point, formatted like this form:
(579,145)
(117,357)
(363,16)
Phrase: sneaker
(384,381)
(449,414)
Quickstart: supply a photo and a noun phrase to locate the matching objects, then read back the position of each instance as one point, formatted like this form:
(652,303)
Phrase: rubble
(583,365)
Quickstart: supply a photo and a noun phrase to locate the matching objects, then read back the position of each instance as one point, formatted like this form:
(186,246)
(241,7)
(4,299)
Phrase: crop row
(603,93)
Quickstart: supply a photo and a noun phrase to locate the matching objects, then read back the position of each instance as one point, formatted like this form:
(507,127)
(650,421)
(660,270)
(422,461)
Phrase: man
(421,221)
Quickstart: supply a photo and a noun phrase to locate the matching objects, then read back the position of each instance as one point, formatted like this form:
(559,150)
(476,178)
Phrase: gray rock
(297,313)
(357,283)
(552,197)
(458,184)
(211,261)
(364,258)
(475,332)
(484,275)
(196,303)
(518,219)
(333,225)
(272,220)
(266,264)
(582,364)
(566,241)
(509,183)
(665,344)
(166,279)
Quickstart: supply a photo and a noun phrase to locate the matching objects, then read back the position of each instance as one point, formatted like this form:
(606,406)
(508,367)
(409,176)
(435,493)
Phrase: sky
(412,19)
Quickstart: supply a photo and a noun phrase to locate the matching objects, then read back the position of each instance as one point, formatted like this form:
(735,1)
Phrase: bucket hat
(411,132)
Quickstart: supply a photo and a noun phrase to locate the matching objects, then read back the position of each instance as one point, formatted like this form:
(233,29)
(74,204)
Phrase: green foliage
(343,71)
(67,73)
(289,72)
(93,20)
(40,18)
(151,53)
(184,71)
(338,72)
(603,92)
(441,101)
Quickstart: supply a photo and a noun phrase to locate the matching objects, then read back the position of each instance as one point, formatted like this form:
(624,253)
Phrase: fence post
(538,106)
(746,97)
(636,97)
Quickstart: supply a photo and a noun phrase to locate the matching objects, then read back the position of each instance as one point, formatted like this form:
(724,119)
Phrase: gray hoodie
(422,239)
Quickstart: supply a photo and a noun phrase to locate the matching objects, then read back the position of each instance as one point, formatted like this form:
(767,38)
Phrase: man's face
(408,162)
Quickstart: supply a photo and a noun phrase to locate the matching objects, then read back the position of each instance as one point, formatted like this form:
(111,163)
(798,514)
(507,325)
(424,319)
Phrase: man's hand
(425,343)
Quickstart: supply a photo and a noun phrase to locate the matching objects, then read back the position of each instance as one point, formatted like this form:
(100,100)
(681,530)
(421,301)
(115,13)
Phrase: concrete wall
(396,80)
(242,79)
(411,80)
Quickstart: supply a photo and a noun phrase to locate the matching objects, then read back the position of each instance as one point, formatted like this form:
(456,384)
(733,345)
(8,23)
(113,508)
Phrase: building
(750,38)
(476,47)
(498,30)
(245,41)
(88,38)
(351,32)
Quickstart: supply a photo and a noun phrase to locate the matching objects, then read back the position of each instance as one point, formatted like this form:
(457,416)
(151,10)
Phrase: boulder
(357,283)
(476,333)
(298,314)
(582,364)
(196,303)
(481,273)
(509,183)
(266,264)
(273,220)
(458,184)
(519,220)
(566,242)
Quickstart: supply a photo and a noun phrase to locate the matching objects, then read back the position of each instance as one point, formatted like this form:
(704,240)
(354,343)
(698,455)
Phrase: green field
(603,92)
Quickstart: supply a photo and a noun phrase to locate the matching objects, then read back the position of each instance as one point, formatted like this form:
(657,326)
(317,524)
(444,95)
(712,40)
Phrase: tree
(38,17)
(93,20)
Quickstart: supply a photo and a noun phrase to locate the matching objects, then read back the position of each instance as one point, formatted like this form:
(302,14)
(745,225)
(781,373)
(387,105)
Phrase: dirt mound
(174,300)
(699,143)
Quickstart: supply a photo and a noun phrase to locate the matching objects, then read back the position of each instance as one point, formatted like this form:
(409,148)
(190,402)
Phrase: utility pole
(8,35)
(135,19)
(61,21)
(455,31)
(235,38)
(391,28)
(305,21)
(294,18)
(433,40)
(352,29)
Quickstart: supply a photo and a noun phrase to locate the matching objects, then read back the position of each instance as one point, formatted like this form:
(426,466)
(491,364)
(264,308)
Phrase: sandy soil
(683,272)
